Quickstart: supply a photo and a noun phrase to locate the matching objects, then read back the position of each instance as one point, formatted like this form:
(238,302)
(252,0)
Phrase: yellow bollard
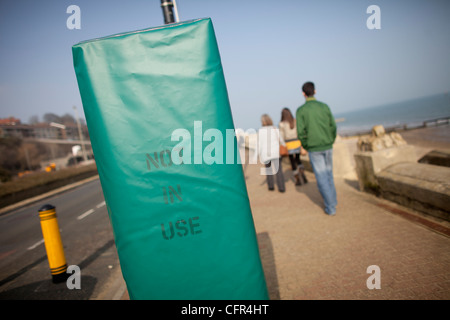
(53,243)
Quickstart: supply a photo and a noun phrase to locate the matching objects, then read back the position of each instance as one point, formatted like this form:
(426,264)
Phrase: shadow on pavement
(312,192)
(23,270)
(353,183)
(47,290)
(268,262)
(96,254)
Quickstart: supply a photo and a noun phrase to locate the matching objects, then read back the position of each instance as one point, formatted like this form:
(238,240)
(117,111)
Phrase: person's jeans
(322,164)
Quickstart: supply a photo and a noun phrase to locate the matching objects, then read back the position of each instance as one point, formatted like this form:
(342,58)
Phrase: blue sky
(268,50)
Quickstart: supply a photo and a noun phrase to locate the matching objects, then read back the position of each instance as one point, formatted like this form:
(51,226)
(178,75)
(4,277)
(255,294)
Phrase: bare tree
(9,153)
(51,117)
(67,118)
(33,119)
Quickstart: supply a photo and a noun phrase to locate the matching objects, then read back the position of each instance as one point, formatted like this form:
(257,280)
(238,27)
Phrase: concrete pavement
(309,255)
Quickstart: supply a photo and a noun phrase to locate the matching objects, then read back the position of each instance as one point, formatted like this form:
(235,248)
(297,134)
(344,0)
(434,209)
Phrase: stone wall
(423,187)
(387,166)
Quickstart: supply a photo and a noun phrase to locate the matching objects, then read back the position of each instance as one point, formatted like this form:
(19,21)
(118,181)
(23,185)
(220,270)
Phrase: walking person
(269,153)
(316,129)
(288,132)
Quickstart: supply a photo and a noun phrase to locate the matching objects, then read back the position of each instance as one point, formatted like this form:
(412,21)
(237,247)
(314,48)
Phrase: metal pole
(80,134)
(167,8)
(175,10)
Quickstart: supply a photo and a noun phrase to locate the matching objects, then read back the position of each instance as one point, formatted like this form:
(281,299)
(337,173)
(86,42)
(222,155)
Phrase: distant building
(12,127)
(11,121)
(16,130)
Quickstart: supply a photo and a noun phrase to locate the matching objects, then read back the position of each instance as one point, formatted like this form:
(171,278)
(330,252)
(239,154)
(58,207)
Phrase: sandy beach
(423,139)
(428,139)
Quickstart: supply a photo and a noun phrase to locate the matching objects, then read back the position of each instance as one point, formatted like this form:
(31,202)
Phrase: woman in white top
(269,153)
(288,132)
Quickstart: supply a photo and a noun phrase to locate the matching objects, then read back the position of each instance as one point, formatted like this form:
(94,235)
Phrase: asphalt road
(87,240)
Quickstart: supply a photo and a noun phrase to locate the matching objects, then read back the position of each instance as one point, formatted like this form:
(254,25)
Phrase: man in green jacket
(316,130)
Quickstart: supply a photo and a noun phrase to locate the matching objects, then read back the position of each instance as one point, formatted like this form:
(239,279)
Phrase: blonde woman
(288,132)
(269,152)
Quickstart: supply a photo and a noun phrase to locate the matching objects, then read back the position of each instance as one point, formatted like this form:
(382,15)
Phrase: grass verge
(38,183)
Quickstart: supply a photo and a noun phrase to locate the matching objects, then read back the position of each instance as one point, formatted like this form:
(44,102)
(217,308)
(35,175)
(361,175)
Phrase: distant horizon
(393,103)
(337,115)
(411,113)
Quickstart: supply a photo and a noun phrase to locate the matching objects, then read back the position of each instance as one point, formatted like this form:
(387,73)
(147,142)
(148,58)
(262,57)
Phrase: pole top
(46,207)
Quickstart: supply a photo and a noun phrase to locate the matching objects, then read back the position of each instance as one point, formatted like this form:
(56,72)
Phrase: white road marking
(36,244)
(84,215)
(101,205)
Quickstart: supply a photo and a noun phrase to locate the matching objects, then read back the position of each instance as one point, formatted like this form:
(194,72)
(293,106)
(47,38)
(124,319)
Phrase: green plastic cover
(161,129)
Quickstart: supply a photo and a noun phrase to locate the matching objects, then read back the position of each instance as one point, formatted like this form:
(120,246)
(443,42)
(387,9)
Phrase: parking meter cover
(182,231)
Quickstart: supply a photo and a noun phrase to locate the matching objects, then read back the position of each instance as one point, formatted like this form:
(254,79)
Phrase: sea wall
(343,164)
(423,187)
(391,171)
(371,163)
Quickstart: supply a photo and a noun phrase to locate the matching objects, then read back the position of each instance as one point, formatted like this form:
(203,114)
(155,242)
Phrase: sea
(410,114)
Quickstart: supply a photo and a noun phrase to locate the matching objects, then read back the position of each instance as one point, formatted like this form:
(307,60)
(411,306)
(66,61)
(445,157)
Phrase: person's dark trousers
(300,175)
(295,160)
(279,176)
